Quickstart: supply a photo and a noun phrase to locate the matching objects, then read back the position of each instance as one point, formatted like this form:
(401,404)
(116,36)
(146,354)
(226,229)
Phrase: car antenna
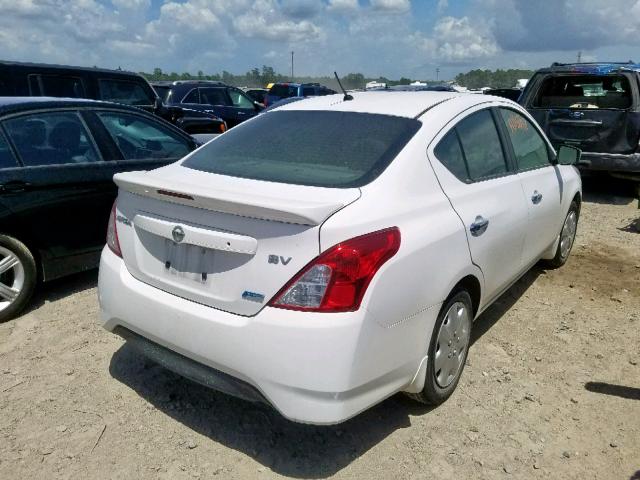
(346,95)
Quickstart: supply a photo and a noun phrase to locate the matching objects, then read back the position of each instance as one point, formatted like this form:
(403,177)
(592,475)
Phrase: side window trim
(12,147)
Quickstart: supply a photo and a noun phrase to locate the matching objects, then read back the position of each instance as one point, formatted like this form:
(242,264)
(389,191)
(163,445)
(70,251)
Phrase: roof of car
(68,67)
(400,104)
(595,68)
(15,104)
(172,83)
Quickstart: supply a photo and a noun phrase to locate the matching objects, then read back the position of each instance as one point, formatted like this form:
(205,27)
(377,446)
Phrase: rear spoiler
(245,203)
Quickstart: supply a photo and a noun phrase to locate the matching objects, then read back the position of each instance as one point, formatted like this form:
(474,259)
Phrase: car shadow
(608,190)
(635,476)
(60,288)
(257,430)
(633,227)
(621,391)
(503,304)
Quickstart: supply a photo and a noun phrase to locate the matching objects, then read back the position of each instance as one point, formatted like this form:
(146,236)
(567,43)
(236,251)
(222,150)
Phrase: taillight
(337,280)
(223,127)
(112,233)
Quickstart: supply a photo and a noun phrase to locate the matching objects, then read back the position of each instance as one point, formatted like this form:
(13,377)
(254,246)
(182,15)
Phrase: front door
(541,183)
(483,188)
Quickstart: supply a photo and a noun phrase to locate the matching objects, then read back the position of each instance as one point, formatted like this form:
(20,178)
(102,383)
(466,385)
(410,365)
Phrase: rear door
(475,173)
(243,105)
(596,113)
(541,182)
(61,196)
(217,97)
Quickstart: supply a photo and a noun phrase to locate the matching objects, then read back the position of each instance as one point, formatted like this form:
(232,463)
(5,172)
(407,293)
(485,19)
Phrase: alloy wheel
(12,277)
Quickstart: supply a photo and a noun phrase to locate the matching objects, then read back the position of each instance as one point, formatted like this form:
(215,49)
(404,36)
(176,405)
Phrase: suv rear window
(584,91)
(284,91)
(327,149)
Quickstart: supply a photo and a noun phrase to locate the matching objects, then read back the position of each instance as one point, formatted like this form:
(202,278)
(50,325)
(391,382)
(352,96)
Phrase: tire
(566,242)
(18,277)
(442,376)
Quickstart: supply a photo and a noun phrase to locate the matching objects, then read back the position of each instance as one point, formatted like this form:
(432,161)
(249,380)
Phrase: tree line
(257,77)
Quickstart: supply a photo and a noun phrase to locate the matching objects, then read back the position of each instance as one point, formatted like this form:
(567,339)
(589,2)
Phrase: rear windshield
(284,91)
(584,91)
(320,148)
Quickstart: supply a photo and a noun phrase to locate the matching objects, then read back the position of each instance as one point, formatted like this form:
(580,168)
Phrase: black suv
(593,106)
(57,161)
(32,79)
(229,103)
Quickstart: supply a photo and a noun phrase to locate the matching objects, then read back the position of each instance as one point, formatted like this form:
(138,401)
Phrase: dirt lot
(552,390)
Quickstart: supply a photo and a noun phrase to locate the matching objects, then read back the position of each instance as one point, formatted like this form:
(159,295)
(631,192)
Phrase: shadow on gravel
(494,313)
(635,476)
(63,287)
(257,430)
(608,190)
(633,227)
(621,391)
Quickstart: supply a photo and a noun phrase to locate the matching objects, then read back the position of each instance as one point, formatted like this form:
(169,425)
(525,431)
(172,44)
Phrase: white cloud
(343,6)
(391,6)
(442,6)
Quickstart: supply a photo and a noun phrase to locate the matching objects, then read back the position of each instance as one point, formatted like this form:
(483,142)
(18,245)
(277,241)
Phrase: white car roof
(401,104)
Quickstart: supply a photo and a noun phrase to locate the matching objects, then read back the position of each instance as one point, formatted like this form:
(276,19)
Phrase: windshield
(320,148)
(584,91)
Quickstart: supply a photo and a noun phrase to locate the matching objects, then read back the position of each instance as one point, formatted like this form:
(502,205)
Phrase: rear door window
(239,99)
(214,96)
(449,152)
(481,146)
(57,86)
(140,138)
(7,159)
(529,147)
(584,91)
(51,139)
(328,149)
(192,97)
(122,91)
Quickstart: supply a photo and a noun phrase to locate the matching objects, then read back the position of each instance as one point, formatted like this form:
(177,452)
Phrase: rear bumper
(610,162)
(313,368)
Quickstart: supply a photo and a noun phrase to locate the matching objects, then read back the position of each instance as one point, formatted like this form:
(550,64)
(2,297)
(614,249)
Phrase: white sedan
(332,252)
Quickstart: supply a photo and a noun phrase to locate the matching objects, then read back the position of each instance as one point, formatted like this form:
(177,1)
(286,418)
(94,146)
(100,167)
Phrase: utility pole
(579,56)
(437,74)
(292,65)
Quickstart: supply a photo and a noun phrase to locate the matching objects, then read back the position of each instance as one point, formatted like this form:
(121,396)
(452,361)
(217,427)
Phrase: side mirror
(568,155)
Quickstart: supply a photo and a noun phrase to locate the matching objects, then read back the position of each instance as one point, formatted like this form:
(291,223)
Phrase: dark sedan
(57,160)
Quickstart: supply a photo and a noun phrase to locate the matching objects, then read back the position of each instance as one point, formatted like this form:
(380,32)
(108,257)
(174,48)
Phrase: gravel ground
(552,390)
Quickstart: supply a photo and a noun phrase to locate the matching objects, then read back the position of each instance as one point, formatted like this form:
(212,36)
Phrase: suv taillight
(112,233)
(337,280)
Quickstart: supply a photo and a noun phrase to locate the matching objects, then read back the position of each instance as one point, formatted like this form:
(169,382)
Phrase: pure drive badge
(252,296)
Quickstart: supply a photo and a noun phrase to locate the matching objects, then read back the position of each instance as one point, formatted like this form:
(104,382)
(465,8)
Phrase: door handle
(13,187)
(536,198)
(479,226)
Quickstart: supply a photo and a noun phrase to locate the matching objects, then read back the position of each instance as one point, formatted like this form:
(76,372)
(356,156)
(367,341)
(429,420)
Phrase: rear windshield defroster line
(315,148)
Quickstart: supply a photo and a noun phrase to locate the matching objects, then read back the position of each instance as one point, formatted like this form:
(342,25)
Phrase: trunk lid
(225,242)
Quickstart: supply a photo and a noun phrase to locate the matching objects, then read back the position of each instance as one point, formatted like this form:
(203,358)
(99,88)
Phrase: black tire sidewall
(30,280)
(432,392)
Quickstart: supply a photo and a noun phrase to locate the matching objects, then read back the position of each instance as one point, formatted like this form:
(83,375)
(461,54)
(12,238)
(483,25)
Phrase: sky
(391,38)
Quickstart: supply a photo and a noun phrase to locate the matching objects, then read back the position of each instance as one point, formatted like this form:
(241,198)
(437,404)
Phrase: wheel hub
(451,344)
(12,276)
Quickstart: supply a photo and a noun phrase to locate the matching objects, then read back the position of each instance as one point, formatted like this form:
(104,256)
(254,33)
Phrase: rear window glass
(284,91)
(328,149)
(584,91)
(128,93)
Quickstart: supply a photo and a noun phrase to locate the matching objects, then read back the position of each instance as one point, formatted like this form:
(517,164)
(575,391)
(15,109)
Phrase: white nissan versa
(332,252)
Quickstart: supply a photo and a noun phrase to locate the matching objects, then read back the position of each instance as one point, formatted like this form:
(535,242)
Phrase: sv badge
(275,259)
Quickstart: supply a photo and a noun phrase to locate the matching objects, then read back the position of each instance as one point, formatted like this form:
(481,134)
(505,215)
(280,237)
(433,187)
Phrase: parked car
(229,103)
(593,106)
(256,94)
(57,160)
(280,91)
(510,93)
(36,79)
(324,276)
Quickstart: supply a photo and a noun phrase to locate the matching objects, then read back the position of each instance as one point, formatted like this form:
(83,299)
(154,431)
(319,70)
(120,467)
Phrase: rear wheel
(448,349)
(567,238)
(17,277)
